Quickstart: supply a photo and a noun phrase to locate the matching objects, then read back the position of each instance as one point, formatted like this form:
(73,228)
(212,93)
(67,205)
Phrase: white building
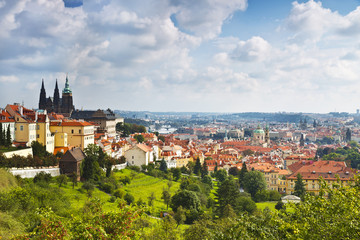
(138,155)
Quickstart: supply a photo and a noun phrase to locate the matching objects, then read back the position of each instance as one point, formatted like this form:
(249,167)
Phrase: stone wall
(22,152)
(31,172)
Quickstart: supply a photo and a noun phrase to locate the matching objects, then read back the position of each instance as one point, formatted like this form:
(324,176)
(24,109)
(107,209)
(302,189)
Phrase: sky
(184,55)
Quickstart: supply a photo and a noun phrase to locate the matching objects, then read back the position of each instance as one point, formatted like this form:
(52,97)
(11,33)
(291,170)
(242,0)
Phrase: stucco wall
(21,152)
(31,172)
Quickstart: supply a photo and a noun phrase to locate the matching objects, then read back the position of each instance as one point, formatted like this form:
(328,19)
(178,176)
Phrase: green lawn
(7,149)
(142,186)
(263,205)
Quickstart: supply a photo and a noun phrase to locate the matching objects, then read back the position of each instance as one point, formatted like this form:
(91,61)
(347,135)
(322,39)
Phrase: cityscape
(179,120)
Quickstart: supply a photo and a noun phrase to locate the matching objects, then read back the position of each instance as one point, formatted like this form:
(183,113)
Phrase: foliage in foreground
(94,223)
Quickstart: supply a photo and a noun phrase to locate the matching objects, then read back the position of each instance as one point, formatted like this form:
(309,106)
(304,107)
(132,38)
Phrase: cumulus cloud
(254,49)
(9,79)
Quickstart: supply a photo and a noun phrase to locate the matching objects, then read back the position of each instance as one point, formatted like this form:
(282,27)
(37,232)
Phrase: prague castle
(56,104)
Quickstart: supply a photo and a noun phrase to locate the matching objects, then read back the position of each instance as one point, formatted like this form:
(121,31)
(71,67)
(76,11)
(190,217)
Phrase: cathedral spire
(56,98)
(42,100)
(67,86)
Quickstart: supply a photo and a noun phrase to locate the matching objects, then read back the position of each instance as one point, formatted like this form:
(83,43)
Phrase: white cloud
(9,79)
(254,49)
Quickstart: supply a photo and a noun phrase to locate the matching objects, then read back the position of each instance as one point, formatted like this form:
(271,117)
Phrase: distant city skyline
(184,56)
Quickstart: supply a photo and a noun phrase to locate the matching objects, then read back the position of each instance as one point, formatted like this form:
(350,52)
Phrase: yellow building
(25,127)
(74,133)
(183,161)
(311,171)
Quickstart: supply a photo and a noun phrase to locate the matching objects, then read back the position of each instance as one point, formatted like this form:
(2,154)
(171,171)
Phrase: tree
(1,135)
(348,135)
(163,165)
(166,196)
(299,189)
(8,137)
(185,198)
(151,199)
(242,174)
(38,149)
(280,205)
(190,165)
(234,171)
(254,181)
(139,138)
(197,167)
(207,180)
(221,175)
(90,169)
(176,173)
(62,179)
(129,198)
(204,170)
(180,216)
(161,138)
(226,194)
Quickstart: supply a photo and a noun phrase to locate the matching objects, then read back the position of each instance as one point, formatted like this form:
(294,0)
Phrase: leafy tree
(299,189)
(139,138)
(204,170)
(242,174)
(42,177)
(207,180)
(280,205)
(151,199)
(166,196)
(197,167)
(161,138)
(1,136)
(221,175)
(254,181)
(38,149)
(90,168)
(62,179)
(163,165)
(129,198)
(185,198)
(234,171)
(176,173)
(247,152)
(179,215)
(226,194)
(8,140)
(190,165)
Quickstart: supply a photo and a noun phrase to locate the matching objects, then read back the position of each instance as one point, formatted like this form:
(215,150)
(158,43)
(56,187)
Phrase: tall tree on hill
(242,174)
(8,137)
(348,135)
(197,167)
(299,187)
(204,170)
(1,135)
(254,181)
(163,165)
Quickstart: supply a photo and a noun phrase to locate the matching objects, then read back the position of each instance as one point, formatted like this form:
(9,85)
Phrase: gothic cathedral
(56,104)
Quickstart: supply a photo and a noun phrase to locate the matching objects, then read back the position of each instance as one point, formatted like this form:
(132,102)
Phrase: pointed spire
(67,86)
(56,85)
(42,84)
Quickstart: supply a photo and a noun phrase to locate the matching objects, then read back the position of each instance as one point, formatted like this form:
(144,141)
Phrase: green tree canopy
(254,181)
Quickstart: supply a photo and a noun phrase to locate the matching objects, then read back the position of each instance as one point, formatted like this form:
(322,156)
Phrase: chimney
(36,116)
(21,109)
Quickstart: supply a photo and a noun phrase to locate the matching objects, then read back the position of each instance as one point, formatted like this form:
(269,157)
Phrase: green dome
(259,130)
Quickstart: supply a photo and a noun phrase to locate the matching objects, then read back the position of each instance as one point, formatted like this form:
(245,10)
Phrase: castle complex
(56,104)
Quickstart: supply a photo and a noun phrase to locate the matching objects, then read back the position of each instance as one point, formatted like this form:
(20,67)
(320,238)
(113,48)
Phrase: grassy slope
(7,180)
(142,186)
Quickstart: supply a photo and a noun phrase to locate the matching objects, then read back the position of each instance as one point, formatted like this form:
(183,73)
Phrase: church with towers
(63,105)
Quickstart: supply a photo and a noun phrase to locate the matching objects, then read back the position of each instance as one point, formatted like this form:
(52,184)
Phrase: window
(37,127)
(21,128)
(79,130)
(132,157)
(37,135)
(72,130)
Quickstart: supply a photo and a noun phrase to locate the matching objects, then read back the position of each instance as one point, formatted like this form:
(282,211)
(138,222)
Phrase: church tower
(67,100)
(42,100)
(57,104)
(267,135)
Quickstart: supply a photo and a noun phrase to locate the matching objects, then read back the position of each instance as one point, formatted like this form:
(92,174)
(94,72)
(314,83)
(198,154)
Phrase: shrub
(129,198)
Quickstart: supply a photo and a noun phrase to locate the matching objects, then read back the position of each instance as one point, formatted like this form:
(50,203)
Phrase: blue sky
(183,55)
